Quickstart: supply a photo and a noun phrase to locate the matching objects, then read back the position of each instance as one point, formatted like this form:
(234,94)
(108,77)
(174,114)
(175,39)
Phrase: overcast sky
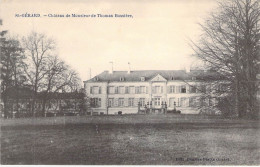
(156,38)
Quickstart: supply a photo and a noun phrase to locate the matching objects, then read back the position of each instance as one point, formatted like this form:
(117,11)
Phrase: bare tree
(230,45)
(59,77)
(38,49)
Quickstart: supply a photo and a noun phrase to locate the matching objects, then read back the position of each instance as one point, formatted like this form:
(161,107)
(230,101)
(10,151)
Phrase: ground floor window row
(157,101)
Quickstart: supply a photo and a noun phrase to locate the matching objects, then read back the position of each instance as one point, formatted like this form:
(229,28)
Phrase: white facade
(109,97)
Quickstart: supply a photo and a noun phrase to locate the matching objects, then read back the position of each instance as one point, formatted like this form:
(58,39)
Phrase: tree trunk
(5,107)
(43,107)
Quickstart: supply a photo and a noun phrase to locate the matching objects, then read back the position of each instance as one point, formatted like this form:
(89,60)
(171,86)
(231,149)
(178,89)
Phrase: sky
(155,38)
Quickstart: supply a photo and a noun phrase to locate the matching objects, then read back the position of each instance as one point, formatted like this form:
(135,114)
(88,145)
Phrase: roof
(64,95)
(150,74)
(27,93)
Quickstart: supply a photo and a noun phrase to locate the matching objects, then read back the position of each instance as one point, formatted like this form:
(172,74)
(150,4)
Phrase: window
(142,89)
(193,89)
(142,78)
(110,102)
(202,101)
(157,89)
(131,102)
(126,90)
(111,90)
(220,88)
(131,89)
(122,78)
(121,90)
(172,89)
(171,102)
(116,90)
(142,102)
(184,102)
(178,102)
(157,101)
(137,90)
(94,90)
(203,88)
(95,102)
(183,89)
(192,102)
(121,102)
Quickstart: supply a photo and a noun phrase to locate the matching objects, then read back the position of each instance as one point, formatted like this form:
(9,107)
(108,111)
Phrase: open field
(130,139)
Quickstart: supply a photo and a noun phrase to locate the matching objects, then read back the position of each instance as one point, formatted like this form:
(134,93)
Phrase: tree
(12,61)
(38,49)
(59,77)
(230,46)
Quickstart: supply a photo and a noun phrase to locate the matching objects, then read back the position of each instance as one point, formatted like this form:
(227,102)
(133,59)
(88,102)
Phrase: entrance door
(157,102)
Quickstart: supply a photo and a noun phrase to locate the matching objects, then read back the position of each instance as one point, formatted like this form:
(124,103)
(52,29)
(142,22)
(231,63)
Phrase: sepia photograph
(131,82)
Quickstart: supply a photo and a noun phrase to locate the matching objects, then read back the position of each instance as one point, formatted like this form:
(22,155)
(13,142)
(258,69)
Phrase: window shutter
(116,102)
(113,102)
(169,89)
(126,90)
(126,102)
(135,101)
(100,90)
(187,88)
(91,90)
(153,89)
(187,102)
(116,90)
(178,89)
(99,102)
(161,89)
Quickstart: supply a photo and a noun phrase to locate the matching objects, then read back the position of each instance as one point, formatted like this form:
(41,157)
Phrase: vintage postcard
(132,82)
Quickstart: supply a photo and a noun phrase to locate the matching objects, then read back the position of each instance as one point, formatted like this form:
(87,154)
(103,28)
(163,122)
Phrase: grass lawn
(130,140)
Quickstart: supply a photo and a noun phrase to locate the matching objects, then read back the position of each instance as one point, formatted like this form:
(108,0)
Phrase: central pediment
(158,78)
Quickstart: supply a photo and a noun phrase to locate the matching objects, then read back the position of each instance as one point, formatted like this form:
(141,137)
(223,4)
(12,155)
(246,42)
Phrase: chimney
(111,69)
(129,69)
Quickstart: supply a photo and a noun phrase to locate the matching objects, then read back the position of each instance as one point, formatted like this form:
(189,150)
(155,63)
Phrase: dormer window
(96,79)
(142,78)
(122,78)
